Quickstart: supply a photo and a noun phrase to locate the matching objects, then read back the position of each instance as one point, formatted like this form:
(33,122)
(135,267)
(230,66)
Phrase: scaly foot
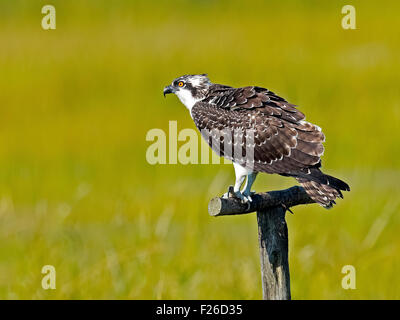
(244,197)
(247,195)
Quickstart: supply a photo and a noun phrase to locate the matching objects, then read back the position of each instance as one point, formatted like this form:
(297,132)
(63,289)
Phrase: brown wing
(249,98)
(283,142)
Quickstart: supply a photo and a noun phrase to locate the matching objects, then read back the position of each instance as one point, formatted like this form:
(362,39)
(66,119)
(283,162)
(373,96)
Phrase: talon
(239,195)
(229,194)
(243,197)
(247,196)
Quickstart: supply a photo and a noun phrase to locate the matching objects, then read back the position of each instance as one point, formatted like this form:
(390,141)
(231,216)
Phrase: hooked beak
(168,89)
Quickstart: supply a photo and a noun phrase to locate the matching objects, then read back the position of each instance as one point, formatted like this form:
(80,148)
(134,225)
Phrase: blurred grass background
(76,191)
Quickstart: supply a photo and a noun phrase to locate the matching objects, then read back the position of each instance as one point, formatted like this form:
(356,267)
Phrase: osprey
(275,131)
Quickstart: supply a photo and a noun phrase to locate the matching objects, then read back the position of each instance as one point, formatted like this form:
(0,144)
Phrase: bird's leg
(235,191)
(236,188)
(246,192)
(240,173)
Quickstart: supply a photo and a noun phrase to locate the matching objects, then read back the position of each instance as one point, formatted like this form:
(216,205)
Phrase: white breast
(186,98)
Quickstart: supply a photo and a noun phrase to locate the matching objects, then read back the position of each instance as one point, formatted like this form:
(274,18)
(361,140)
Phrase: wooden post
(273,242)
(271,208)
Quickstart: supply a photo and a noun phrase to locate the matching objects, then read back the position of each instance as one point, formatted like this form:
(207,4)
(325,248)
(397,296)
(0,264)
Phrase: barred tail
(324,193)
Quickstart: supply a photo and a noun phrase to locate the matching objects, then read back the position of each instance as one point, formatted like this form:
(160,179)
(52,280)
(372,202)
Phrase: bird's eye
(181,83)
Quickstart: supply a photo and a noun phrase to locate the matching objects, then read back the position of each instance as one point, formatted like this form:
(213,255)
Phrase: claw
(239,195)
(243,197)
(229,194)
(247,195)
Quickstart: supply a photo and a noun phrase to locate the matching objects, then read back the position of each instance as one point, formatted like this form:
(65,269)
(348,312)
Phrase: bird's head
(189,88)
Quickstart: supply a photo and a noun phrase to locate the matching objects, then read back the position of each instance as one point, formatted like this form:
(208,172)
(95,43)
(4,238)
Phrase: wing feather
(284,142)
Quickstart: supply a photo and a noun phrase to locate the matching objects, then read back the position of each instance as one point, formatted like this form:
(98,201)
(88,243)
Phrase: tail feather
(323,189)
(337,183)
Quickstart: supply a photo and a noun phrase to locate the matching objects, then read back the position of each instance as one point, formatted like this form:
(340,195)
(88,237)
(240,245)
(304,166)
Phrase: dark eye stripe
(176,83)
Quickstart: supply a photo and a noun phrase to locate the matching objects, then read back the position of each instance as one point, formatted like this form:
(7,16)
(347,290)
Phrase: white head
(189,88)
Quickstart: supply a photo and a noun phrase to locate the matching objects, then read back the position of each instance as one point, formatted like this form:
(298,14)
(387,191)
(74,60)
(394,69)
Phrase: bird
(255,119)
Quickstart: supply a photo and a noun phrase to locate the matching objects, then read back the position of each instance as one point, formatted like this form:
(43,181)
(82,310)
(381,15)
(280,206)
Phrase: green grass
(76,191)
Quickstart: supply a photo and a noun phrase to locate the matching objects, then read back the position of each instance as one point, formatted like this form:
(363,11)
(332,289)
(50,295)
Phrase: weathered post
(273,242)
(271,208)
